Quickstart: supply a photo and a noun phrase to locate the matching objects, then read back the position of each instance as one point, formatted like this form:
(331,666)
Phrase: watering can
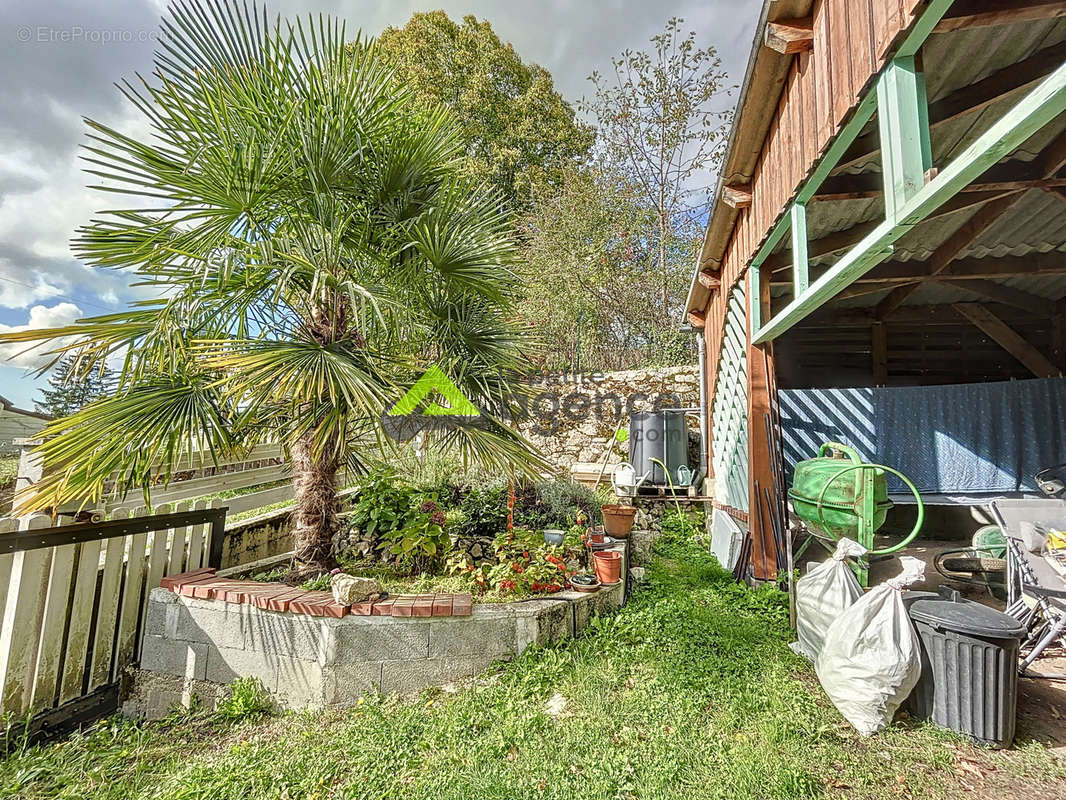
(624,479)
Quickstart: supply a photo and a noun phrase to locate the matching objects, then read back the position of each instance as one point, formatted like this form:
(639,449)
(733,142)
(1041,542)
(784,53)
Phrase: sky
(61,59)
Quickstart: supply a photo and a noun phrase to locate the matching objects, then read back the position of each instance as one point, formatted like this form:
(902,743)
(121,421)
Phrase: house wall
(14,425)
(822,89)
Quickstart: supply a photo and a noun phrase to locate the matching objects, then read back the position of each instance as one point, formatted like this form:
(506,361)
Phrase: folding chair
(1036,593)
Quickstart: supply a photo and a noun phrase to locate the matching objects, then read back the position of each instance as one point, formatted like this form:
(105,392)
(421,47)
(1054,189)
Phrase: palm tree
(313,246)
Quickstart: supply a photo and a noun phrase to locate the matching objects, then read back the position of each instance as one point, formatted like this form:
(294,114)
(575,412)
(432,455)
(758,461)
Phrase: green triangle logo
(434,380)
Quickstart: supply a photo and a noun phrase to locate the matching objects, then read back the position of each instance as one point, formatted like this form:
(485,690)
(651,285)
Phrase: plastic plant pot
(618,520)
(608,566)
(554,536)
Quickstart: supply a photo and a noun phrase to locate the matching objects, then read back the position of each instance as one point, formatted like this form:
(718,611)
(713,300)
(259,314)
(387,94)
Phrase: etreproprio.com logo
(559,402)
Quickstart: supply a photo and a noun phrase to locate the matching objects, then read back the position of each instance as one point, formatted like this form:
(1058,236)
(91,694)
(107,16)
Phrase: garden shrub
(525,564)
(247,698)
(483,511)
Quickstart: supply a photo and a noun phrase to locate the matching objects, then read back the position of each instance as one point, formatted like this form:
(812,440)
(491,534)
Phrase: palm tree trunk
(314,477)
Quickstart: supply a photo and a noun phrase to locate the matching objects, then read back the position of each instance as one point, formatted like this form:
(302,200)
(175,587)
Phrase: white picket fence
(72,614)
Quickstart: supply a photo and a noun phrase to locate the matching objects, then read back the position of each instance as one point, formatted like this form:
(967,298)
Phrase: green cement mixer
(837,494)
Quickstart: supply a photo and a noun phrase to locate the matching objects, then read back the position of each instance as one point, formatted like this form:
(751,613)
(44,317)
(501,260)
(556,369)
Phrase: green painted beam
(754,299)
(903,121)
(800,274)
(1035,110)
(923,26)
(839,146)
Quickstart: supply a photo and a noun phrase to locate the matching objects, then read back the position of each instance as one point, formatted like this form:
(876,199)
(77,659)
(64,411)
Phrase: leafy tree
(73,389)
(586,277)
(661,126)
(317,244)
(518,130)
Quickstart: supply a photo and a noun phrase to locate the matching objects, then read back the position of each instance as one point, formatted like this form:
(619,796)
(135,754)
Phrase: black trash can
(969,677)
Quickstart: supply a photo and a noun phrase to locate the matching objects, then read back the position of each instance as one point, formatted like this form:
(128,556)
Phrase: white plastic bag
(822,594)
(870,660)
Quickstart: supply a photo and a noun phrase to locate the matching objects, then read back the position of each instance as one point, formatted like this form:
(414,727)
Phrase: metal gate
(73,600)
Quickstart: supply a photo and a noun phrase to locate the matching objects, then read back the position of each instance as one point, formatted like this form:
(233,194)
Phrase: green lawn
(688,692)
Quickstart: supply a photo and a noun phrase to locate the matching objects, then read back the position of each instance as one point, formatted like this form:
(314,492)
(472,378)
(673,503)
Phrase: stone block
(542,622)
(225,664)
(478,635)
(291,635)
(344,684)
(204,621)
(406,677)
(379,639)
(300,684)
(185,659)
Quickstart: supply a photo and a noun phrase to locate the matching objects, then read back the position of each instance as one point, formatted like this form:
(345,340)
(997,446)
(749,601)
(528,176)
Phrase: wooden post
(760,365)
(879,350)
(903,118)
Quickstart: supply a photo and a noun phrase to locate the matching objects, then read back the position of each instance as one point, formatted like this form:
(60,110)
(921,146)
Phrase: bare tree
(662,122)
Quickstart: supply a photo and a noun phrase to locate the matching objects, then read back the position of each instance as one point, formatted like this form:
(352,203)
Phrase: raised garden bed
(195,645)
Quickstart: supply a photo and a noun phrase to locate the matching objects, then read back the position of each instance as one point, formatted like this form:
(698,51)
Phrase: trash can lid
(948,610)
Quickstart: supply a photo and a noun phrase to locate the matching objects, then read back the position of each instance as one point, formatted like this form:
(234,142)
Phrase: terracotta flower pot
(618,520)
(596,536)
(608,566)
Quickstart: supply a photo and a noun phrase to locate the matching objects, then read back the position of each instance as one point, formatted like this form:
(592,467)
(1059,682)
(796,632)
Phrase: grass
(689,692)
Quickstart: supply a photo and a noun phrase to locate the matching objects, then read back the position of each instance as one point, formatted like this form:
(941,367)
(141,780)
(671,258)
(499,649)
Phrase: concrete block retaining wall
(196,646)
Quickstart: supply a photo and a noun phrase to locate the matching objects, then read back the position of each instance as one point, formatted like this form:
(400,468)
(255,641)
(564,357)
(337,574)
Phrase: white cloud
(18,355)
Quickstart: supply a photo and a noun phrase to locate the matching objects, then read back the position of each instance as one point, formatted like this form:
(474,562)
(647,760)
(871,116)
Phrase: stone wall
(195,647)
(648,522)
(571,422)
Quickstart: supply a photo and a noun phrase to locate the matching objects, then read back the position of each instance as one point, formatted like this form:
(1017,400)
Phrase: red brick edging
(204,585)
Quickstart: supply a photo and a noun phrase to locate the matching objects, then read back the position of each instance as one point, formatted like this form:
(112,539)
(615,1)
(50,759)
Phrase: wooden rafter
(1007,338)
(969,99)
(1051,160)
(697,319)
(709,279)
(940,314)
(1002,12)
(1006,294)
(790,35)
(737,195)
(842,240)
(895,272)
(947,252)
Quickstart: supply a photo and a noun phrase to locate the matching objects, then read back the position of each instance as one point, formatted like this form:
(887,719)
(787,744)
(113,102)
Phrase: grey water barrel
(969,677)
(659,435)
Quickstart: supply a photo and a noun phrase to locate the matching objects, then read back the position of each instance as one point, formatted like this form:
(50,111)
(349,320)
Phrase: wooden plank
(737,195)
(1007,12)
(800,272)
(21,628)
(53,627)
(81,610)
(1006,294)
(157,563)
(197,534)
(759,380)
(1008,339)
(789,36)
(108,607)
(7,525)
(903,125)
(132,598)
(823,67)
(178,540)
(879,353)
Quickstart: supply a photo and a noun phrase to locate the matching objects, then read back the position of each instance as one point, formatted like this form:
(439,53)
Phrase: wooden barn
(886,259)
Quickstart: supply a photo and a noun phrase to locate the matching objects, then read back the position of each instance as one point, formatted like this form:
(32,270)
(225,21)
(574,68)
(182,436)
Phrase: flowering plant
(422,537)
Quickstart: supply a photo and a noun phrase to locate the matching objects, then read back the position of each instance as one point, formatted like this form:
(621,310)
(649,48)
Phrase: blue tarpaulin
(959,439)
